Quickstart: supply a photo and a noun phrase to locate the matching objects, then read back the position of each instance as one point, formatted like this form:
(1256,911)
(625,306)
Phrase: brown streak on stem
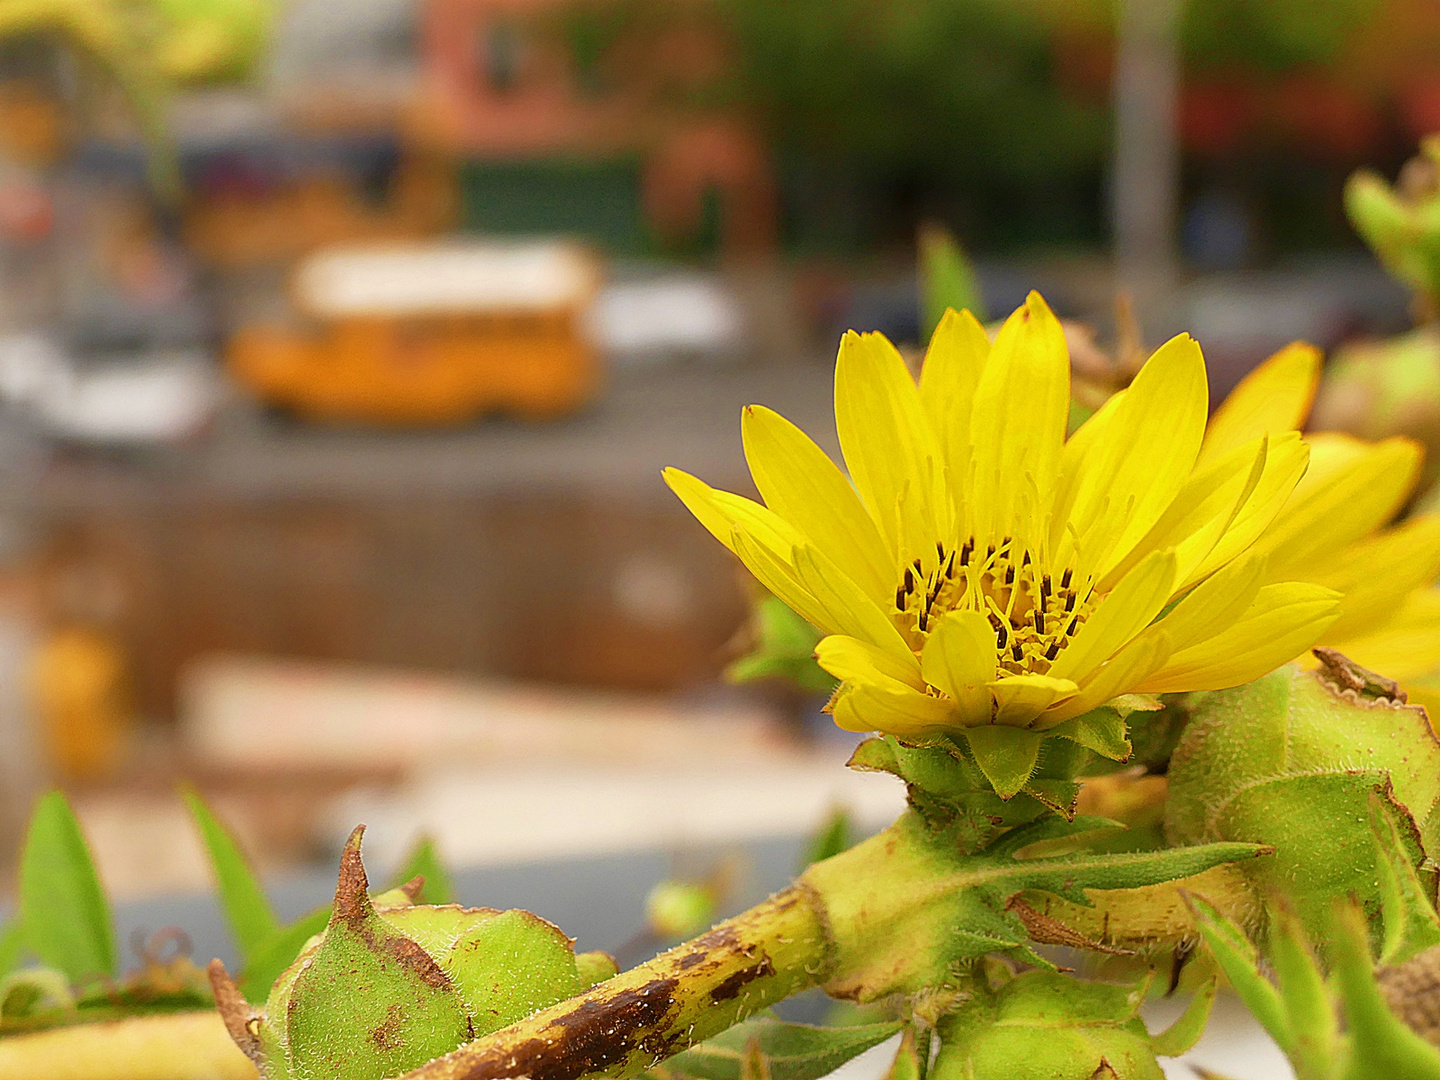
(629,1023)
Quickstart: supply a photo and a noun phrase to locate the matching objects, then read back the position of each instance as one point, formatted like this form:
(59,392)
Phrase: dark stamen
(1053,651)
(940,550)
(1009,575)
(950,565)
(1002,638)
(1016,653)
(1065,578)
(1045,589)
(965,551)
(1026,560)
(1039,621)
(909,581)
(1070,631)
(1069,603)
(900,596)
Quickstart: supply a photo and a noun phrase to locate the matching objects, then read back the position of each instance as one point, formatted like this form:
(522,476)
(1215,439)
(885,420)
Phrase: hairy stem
(624,1026)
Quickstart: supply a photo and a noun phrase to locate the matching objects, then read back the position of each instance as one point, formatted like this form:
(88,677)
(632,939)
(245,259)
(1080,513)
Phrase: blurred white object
(258,713)
(161,396)
(649,319)
(453,276)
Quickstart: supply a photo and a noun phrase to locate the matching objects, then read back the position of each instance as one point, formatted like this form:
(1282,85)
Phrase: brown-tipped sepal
(390,985)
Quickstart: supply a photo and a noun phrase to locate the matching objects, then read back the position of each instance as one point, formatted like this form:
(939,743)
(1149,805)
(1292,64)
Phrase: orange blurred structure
(430,333)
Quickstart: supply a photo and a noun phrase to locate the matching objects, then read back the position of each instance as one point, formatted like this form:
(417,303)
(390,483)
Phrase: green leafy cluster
(64,922)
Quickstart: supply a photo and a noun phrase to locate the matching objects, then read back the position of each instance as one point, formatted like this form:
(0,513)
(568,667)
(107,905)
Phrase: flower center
(1034,610)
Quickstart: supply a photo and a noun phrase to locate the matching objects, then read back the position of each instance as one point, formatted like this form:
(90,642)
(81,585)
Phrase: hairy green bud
(390,985)
(1293,760)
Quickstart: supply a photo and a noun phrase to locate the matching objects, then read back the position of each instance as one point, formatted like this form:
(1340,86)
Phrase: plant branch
(629,1023)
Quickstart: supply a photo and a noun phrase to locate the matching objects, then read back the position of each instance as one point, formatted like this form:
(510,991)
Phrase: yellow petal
(1137,661)
(1216,603)
(1274,398)
(1285,463)
(891,452)
(1282,622)
(833,602)
(1019,699)
(1140,460)
(1018,422)
(799,482)
(1350,490)
(1406,645)
(867,707)
(1204,511)
(1120,616)
(775,552)
(957,355)
(852,660)
(959,658)
(1376,574)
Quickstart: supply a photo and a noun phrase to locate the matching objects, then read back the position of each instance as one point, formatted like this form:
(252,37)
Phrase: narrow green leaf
(1380,1044)
(834,836)
(1241,964)
(1409,923)
(947,279)
(1185,1032)
(424,861)
(907,1064)
(62,907)
(1307,1000)
(792,1051)
(277,952)
(12,946)
(1048,829)
(247,910)
(1005,754)
(1066,876)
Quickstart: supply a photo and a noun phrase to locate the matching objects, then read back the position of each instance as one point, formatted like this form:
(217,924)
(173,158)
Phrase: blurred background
(342,342)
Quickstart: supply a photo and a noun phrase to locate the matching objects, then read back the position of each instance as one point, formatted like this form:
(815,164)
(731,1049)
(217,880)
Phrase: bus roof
(445,277)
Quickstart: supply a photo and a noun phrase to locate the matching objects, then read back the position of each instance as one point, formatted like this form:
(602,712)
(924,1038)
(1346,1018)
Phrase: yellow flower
(1333,530)
(983,574)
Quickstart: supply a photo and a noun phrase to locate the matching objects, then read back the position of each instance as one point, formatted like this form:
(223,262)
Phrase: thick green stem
(629,1023)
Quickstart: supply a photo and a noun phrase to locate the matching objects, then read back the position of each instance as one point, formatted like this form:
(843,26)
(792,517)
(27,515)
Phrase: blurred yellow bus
(429,333)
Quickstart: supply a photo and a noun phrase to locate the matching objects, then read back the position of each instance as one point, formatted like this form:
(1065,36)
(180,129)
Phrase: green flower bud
(385,989)
(680,909)
(1292,761)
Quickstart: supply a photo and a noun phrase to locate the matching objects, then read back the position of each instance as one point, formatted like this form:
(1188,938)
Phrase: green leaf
(947,279)
(908,1064)
(1409,923)
(1380,1044)
(834,836)
(1005,754)
(1069,876)
(1185,1032)
(424,861)
(793,1051)
(277,952)
(247,910)
(1307,1001)
(12,946)
(62,907)
(1241,964)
